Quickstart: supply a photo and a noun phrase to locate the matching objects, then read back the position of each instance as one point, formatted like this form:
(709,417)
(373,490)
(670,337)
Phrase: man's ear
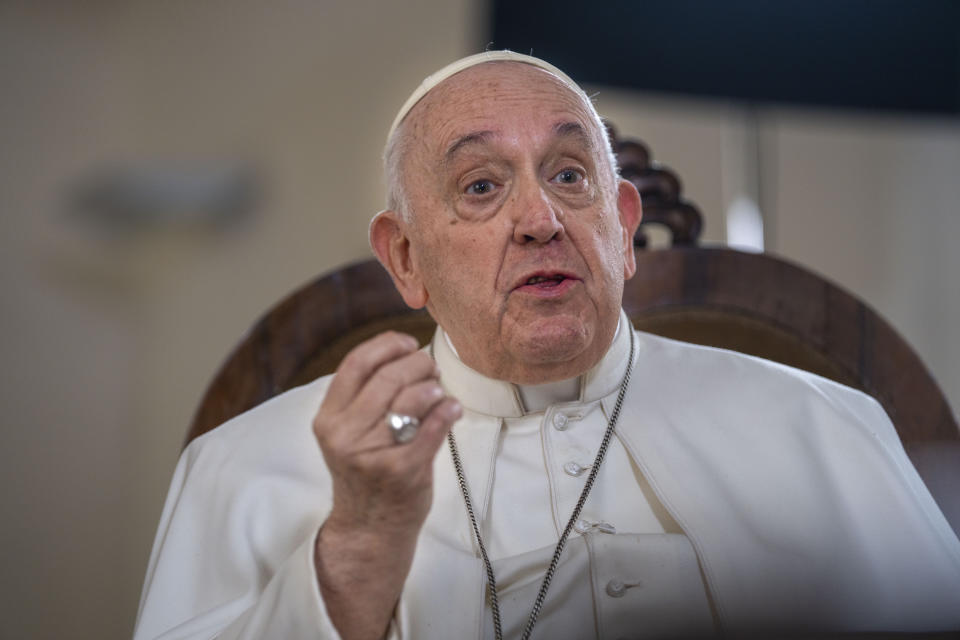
(388,237)
(631,211)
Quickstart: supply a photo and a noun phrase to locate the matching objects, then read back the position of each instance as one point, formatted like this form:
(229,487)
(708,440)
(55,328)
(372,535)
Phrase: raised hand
(382,490)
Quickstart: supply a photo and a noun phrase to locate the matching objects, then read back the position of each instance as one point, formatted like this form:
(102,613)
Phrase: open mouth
(547,284)
(546,281)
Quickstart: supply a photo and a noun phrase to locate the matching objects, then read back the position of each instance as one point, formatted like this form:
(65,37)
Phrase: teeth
(539,279)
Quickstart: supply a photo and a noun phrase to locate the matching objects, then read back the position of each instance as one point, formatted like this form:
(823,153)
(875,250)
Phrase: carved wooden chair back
(757,304)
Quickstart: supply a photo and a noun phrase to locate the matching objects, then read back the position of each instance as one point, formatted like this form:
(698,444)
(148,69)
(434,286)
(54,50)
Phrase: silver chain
(548,576)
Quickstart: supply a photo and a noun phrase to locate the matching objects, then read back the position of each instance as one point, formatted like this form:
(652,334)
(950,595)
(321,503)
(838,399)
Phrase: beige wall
(874,202)
(108,342)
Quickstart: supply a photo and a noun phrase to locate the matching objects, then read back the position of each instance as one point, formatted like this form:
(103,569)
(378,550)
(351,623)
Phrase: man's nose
(537,219)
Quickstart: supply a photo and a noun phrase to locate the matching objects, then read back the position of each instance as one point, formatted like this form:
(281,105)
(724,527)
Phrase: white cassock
(738,496)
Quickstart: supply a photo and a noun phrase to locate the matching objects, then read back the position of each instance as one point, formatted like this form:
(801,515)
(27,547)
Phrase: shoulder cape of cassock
(795,492)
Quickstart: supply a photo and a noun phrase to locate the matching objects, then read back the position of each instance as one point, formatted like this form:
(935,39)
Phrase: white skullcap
(436,78)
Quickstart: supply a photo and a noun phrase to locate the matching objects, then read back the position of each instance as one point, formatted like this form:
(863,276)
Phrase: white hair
(399,143)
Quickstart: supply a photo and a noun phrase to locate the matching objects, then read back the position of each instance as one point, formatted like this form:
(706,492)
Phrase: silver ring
(403,428)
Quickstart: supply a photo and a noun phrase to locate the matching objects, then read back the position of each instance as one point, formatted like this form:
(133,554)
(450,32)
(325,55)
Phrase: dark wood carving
(661,192)
(305,336)
(772,308)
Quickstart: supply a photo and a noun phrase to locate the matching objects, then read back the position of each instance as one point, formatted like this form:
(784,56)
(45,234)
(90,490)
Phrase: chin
(554,340)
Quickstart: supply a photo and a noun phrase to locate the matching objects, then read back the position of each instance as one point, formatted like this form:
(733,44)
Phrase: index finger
(363,361)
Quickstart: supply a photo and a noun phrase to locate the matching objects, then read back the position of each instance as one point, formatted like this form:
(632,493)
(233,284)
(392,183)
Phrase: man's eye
(480,187)
(568,176)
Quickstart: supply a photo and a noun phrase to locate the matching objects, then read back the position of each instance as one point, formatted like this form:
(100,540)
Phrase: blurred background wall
(110,330)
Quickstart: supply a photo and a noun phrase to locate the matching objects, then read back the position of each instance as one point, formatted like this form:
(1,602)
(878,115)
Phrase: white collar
(481,394)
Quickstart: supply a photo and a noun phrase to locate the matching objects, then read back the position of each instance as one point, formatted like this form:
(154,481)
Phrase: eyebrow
(575,131)
(477,137)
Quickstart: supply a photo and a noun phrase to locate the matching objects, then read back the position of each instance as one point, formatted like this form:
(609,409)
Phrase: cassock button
(574,469)
(616,589)
(560,421)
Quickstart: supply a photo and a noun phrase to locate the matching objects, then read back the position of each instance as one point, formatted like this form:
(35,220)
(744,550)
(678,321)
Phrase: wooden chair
(753,303)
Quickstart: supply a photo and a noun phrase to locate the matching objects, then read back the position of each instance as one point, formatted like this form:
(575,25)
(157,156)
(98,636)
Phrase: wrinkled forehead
(436,79)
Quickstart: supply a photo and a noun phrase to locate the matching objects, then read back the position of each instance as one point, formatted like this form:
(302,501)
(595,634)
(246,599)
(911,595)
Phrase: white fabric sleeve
(234,553)
(179,601)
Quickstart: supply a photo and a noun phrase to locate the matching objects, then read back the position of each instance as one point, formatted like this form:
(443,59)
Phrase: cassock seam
(594,586)
(708,574)
(548,462)
(694,540)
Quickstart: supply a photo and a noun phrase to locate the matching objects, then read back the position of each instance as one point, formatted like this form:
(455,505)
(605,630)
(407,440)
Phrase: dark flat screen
(895,55)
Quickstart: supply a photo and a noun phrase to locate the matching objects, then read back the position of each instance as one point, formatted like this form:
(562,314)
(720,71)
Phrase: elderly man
(539,468)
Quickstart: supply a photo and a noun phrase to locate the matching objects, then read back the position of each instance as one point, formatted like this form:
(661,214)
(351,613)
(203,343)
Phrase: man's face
(518,231)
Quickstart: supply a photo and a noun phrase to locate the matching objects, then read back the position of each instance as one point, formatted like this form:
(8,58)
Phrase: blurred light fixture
(163,196)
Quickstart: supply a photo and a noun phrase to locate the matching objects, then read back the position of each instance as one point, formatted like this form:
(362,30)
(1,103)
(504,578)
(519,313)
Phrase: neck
(507,367)
(487,395)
